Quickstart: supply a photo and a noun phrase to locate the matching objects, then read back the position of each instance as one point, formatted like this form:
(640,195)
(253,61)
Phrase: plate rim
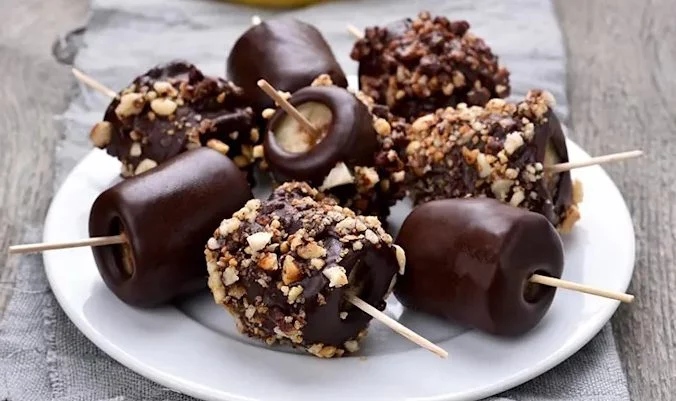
(204,392)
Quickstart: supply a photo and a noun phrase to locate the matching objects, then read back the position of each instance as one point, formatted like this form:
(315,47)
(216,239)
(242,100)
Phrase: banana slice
(293,138)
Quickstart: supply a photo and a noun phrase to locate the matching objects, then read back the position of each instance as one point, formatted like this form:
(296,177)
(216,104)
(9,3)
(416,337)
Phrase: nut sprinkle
(282,266)
(416,66)
(373,184)
(498,151)
(173,108)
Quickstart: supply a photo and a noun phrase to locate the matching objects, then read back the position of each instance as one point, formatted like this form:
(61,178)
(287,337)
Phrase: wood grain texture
(33,88)
(622,91)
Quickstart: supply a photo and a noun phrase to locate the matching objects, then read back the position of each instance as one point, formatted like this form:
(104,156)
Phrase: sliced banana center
(551,158)
(291,136)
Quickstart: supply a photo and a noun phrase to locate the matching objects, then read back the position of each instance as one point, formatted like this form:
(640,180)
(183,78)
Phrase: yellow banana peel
(277,3)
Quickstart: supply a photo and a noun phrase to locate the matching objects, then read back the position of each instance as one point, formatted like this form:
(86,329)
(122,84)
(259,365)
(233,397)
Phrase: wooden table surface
(622,91)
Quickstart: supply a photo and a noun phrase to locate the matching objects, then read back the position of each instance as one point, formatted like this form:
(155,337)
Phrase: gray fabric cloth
(44,357)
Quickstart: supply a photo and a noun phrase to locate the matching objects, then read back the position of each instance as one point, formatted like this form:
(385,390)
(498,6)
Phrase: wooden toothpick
(307,125)
(356,301)
(94,84)
(355,31)
(288,108)
(569,285)
(95,241)
(396,326)
(614,157)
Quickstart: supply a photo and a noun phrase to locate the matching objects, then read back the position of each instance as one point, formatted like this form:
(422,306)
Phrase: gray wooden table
(622,90)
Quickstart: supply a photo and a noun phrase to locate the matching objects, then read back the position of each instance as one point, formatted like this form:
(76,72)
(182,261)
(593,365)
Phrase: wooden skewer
(356,301)
(96,241)
(255,20)
(396,326)
(614,157)
(569,285)
(94,84)
(556,168)
(307,125)
(121,238)
(355,31)
(286,106)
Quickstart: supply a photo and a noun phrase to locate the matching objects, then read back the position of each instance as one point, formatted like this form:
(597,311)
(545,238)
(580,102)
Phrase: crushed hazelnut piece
(228,226)
(135,149)
(259,240)
(213,244)
(513,141)
(258,152)
(268,113)
(130,104)
(268,262)
(290,270)
(371,237)
(163,106)
(351,346)
(517,198)
(218,146)
(101,134)
(382,127)
(336,276)
(145,165)
(578,191)
(311,250)
(230,276)
(294,293)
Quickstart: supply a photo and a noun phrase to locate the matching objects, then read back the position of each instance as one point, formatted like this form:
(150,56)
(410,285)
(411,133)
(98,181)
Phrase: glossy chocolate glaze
(558,188)
(286,52)
(350,138)
(469,261)
(167,214)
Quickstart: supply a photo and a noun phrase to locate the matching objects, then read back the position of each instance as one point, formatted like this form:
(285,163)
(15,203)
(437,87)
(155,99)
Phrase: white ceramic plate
(193,347)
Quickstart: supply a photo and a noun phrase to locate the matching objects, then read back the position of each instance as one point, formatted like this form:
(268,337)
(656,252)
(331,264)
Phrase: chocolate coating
(469,261)
(286,52)
(363,136)
(350,138)
(166,213)
(173,108)
(498,151)
(416,66)
(282,267)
